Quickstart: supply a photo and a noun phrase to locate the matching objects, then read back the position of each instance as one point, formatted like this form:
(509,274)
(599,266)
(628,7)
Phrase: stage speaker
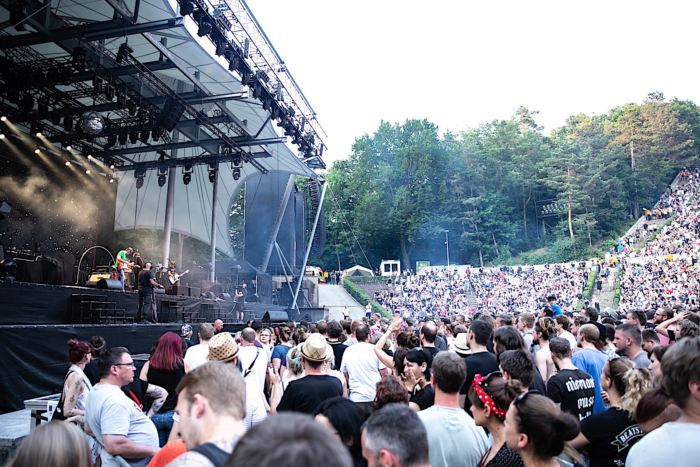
(111,284)
(194,292)
(275,317)
(225,296)
(178,290)
(95,278)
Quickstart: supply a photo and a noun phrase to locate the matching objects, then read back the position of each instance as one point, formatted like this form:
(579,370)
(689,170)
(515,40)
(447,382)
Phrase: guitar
(174,278)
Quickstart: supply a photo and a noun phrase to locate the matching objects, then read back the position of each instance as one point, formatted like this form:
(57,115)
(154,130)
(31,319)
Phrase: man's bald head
(429,332)
(590,333)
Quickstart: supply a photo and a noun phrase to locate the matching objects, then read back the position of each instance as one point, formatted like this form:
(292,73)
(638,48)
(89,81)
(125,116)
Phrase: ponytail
(637,382)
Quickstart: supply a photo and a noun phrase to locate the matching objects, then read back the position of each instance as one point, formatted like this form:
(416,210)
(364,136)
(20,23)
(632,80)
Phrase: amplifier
(178,290)
(95,278)
(195,291)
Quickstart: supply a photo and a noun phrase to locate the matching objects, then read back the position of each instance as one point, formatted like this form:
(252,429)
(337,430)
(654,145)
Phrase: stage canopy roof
(164,79)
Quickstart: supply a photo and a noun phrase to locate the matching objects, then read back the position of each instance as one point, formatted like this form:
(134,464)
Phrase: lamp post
(447,247)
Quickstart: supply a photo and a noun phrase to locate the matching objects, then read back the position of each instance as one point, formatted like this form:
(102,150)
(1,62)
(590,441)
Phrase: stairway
(336,298)
(96,309)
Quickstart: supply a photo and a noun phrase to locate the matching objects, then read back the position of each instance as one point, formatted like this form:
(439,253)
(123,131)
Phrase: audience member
(394,436)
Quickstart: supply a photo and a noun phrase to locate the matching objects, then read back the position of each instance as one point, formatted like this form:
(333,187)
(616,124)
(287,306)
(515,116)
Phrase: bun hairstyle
(545,326)
(77,350)
(630,383)
(651,405)
(546,426)
(420,356)
(500,391)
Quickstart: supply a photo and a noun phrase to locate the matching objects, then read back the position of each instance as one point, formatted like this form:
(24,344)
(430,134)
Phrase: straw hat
(222,347)
(460,345)
(315,348)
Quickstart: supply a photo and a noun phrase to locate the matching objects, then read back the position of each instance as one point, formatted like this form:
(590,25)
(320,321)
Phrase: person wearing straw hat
(223,348)
(307,393)
(460,346)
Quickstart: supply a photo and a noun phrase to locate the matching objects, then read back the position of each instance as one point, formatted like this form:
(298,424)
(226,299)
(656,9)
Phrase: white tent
(358,270)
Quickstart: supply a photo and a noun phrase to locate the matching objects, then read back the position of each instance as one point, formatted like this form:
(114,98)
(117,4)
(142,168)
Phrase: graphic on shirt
(622,440)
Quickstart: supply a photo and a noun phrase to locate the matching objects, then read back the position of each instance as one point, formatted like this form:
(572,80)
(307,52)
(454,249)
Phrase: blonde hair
(631,383)
(58,444)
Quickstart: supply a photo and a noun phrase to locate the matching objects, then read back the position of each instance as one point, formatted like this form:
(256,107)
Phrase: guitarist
(122,264)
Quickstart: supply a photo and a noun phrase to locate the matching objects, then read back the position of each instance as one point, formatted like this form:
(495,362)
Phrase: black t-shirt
(612,433)
(145,277)
(307,393)
(338,350)
(574,390)
(432,350)
(538,383)
(424,397)
(480,363)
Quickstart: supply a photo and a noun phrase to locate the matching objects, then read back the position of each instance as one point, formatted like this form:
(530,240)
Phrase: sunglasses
(522,397)
(487,379)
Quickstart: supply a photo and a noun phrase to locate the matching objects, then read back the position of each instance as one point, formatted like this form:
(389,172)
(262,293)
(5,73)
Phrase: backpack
(213,453)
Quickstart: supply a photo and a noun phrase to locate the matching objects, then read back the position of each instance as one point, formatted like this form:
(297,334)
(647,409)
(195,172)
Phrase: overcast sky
(462,63)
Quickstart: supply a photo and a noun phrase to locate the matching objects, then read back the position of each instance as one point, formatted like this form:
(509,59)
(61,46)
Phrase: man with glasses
(118,424)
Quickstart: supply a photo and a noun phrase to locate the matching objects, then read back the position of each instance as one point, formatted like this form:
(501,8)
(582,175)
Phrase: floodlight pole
(447,247)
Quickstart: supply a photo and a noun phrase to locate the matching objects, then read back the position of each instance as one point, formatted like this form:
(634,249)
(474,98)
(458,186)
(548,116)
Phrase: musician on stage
(240,302)
(122,264)
(147,297)
(136,269)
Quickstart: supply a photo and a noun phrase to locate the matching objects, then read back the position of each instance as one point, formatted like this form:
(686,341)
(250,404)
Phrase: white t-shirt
(453,437)
(572,340)
(362,366)
(197,355)
(673,443)
(109,412)
(246,355)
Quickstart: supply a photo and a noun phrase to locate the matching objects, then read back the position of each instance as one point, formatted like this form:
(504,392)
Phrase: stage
(37,320)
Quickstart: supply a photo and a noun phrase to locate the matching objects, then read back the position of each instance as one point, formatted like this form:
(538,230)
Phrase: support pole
(311,242)
(214,200)
(169,208)
(282,208)
(286,277)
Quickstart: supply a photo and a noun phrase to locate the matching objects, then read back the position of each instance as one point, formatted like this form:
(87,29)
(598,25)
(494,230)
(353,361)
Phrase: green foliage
(362,298)
(617,291)
(404,186)
(588,289)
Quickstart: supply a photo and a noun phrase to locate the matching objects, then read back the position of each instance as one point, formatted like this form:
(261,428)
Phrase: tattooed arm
(73,388)
(159,395)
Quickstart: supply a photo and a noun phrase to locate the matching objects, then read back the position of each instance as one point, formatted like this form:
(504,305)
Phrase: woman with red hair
(165,368)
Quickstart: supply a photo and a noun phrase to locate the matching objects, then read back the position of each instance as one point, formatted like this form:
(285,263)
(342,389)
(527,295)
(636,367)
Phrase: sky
(463,63)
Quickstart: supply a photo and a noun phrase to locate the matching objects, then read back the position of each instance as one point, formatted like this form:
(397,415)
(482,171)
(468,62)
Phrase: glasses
(131,364)
(521,399)
(487,379)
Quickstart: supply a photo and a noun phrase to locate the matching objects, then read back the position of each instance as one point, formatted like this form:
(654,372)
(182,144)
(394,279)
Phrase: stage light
(27,103)
(111,180)
(111,140)
(204,27)
(236,172)
(212,172)
(161,180)
(131,106)
(38,134)
(37,151)
(2,136)
(111,166)
(67,163)
(122,138)
(89,156)
(3,119)
(87,172)
(134,137)
(123,52)
(186,178)
(220,48)
(186,7)
(69,147)
(156,133)
(144,136)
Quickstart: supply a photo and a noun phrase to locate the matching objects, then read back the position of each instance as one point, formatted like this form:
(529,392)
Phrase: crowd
(489,367)
(456,391)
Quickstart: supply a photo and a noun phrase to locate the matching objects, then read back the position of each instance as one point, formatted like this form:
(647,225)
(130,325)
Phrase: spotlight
(27,103)
(111,166)
(139,183)
(87,172)
(3,119)
(68,123)
(186,7)
(42,106)
(111,140)
(131,106)
(144,136)
(89,157)
(38,134)
(37,151)
(67,163)
(220,48)
(204,27)
(236,172)
(156,133)
(111,180)
(123,52)
(134,137)
(161,180)
(69,147)
(187,178)
(122,138)
(212,172)
(2,136)
(110,92)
